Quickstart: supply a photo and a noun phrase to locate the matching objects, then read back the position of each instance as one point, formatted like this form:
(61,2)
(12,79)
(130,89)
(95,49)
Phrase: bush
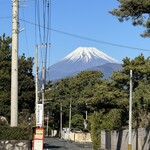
(15,133)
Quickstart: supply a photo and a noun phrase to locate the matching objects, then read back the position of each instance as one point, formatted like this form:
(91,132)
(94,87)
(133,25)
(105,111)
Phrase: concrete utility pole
(43,91)
(69,118)
(36,81)
(86,112)
(43,78)
(60,119)
(47,122)
(14,65)
(130,114)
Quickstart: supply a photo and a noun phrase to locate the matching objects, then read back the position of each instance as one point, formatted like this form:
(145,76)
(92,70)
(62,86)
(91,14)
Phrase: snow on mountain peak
(86,54)
(81,59)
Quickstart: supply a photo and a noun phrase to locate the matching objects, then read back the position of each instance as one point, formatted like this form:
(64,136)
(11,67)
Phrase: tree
(77,122)
(26,89)
(141,105)
(141,80)
(75,89)
(102,120)
(96,121)
(135,10)
(5,74)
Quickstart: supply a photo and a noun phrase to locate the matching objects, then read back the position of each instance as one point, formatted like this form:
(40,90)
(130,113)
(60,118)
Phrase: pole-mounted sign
(39,115)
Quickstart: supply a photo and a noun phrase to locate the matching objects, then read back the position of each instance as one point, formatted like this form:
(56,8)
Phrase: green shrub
(96,121)
(15,133)
(101,120)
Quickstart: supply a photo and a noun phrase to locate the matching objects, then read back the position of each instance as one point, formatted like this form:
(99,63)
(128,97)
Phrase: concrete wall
(76,136)
(80,137)
(118,140)
(15,145)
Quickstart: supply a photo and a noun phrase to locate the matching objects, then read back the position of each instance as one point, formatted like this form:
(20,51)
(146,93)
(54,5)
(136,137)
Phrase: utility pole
(36,81)
(86,112)
(60,119)
(43,79)
(14,65)
(130,114)
(69,118)
(43,92)
(47,122)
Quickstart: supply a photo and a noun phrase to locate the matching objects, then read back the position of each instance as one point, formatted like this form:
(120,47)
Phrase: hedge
(15,133)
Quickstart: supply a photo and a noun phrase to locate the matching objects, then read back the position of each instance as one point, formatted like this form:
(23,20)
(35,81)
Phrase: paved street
(59,144)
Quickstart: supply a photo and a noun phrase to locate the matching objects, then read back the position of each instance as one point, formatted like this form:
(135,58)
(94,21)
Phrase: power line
(39,26)
(26,39)
(89,39)
(81,37)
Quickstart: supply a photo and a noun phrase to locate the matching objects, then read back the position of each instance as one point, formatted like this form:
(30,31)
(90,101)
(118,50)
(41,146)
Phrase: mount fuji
(82,58)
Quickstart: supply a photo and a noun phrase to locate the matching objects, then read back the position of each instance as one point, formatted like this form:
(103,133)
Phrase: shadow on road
(47,146)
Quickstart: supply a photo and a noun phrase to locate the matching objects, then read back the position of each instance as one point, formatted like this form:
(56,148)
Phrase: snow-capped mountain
(80,59)
(87,54)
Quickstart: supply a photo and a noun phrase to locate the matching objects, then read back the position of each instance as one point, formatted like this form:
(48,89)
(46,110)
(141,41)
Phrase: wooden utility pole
(14,65)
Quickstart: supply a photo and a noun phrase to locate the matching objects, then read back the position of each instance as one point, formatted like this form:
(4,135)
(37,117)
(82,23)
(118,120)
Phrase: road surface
(60,144)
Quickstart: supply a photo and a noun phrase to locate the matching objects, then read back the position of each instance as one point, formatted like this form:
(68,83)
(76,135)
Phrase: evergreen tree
(5,74)
(135,10)
(141,79)
(26,89)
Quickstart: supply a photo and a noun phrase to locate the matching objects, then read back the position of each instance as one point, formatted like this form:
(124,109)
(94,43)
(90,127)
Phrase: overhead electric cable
(44,16)
(39,24)
(49,31)
(25,30)
(35,9)
(48,36)
(91,39)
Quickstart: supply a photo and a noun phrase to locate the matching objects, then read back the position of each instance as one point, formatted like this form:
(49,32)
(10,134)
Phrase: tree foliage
(5,73)
(77,122)
(135,10)
(26,87)
(106,101)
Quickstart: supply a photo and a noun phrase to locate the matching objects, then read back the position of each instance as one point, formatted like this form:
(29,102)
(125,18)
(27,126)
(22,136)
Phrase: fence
(118,140)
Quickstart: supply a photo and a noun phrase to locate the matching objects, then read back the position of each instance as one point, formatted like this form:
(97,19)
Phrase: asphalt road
(60,144)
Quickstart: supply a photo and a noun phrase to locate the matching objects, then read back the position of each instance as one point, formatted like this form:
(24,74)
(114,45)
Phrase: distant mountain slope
(80,59)
(107,69)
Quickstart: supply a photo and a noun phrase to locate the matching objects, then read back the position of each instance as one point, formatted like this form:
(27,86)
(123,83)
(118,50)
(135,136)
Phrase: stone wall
(15,144)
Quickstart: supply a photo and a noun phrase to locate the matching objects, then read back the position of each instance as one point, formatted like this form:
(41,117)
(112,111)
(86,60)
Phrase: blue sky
(85,18)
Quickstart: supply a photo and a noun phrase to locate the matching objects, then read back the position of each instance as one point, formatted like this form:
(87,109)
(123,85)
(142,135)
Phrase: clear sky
(85,18)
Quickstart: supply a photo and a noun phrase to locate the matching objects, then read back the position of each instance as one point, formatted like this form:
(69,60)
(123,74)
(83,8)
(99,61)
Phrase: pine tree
(135,10)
